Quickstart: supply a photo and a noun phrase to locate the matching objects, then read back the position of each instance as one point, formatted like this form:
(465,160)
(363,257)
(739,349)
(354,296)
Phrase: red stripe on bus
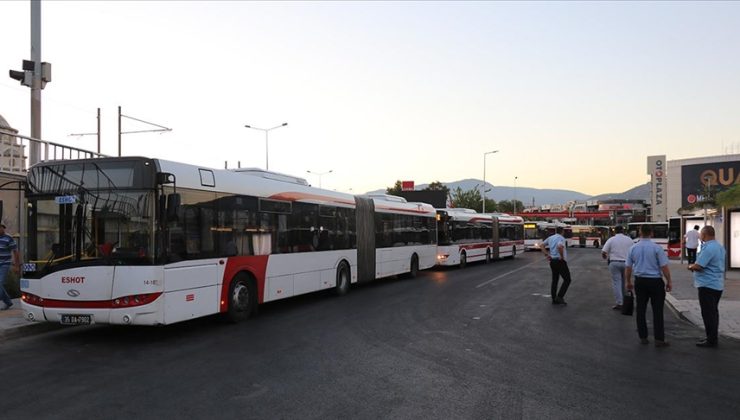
(255,265)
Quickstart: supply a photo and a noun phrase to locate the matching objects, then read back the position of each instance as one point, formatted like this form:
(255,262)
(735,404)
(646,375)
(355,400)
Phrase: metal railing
(13,149)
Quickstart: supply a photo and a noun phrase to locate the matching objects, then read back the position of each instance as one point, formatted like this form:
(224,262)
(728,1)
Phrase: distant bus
(584,236)
(143,241)
(665,234)
(536,232)
(463,236)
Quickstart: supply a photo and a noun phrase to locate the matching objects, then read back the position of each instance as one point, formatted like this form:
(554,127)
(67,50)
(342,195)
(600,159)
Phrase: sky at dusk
(574,95)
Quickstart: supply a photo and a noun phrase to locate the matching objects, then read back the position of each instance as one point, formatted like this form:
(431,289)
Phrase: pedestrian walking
(8,256)
(615,252)
(554,250)
(647,261)
(709,280)
(691,239)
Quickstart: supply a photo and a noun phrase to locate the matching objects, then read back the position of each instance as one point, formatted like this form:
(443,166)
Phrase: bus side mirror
(173,205)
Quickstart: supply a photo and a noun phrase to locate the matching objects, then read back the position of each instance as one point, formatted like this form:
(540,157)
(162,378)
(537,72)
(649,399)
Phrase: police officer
(648,261)
(554,248)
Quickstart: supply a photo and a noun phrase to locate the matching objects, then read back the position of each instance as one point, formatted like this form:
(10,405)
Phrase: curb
(684,312)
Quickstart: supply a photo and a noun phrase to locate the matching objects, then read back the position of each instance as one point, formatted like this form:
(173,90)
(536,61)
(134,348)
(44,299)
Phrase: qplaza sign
(707,178)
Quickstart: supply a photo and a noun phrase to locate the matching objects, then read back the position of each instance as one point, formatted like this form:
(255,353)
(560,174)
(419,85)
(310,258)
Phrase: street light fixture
(484,177)
(320,174)
(266,130)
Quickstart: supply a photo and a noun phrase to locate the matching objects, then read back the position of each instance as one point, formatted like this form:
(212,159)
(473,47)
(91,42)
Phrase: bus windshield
(89,213)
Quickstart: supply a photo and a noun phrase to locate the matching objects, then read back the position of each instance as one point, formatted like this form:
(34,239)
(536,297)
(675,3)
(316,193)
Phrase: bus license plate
(73,319)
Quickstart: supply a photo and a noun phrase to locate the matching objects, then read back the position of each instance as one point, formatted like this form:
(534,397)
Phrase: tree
(729,197)
(395,190)
(491,205)
(470,199)
(438,186)
(505,206)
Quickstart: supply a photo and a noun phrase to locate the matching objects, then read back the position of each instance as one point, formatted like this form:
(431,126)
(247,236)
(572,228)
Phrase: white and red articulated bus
(466,236)
(144,241)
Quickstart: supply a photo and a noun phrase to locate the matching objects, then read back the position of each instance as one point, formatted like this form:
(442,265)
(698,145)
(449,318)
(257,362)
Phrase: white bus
(147,241)
(536,232)
(585,236)
(466,236)
(667,235)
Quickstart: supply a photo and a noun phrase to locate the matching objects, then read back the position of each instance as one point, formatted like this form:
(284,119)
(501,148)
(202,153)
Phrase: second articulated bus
(536,232)
(465,236)
(148,241)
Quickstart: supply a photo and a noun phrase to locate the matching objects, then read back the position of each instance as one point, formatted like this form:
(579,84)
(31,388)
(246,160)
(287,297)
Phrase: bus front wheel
(488,255)
(463,259)
(596,243)
(242,298)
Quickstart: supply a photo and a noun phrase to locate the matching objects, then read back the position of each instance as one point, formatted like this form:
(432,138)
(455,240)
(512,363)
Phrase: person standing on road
(615,251)
(647,261)
(8,255)
(554,249)
(692,242)
(709,280)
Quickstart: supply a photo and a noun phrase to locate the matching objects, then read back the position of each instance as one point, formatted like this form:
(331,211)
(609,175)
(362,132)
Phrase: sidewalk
(12,323)
(684,300)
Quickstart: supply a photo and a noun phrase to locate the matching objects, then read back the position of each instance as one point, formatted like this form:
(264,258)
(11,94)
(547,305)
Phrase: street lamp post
(515,178)
(706,197)
(484,177)
(320,174)
(266,130)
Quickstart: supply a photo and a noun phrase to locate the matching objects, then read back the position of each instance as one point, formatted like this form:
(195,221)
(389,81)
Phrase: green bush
(12,284)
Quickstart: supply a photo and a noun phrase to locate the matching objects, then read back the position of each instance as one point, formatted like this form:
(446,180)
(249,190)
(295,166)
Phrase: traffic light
(26,75)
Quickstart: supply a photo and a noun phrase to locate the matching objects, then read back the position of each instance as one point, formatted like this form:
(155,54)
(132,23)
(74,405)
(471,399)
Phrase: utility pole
(35,75)
(35,148)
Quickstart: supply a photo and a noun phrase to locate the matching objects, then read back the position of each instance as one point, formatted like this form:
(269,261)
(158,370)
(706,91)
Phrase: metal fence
(14,149)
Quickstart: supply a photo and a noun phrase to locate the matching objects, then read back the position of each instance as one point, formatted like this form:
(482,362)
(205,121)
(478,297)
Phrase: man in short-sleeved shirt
(8,257)
(692,243)
(615,250)
(709,280)
(554,248)
(649,263)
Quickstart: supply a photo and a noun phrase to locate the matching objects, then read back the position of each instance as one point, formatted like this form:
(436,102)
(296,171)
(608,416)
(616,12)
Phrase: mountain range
(539,196)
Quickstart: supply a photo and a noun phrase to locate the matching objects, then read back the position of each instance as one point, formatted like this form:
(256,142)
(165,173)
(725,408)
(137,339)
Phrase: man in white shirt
(615,251)
(692,243)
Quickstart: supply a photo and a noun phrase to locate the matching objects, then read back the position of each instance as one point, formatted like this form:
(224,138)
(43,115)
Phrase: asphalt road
(483,342)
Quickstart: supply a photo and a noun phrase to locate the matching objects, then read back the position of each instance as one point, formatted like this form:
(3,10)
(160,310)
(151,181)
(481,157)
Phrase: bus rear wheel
(513,251)
(488,255)
(343,279)
(414,268)
(596,243)
(463,259)
(242,298)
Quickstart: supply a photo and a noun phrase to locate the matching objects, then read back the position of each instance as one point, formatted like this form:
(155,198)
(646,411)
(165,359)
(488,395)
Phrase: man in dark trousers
(9,258)
(647,260)
(709,280)
(691,239)
(554,249)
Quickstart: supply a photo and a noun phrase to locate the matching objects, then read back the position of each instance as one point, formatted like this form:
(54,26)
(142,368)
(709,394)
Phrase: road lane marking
(504,275)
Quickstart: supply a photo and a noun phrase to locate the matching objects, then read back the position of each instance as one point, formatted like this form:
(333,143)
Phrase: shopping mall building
(685,189)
